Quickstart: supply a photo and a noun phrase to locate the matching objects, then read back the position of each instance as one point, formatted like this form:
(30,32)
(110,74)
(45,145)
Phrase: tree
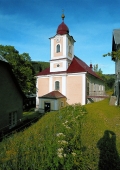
(97,71)
(21,66)
(114,54)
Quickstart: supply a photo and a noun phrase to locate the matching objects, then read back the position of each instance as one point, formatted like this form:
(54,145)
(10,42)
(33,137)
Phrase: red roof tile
(53,95)
(76,66)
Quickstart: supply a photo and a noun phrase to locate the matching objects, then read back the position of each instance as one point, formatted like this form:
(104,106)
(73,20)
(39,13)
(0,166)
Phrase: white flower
(60,134)
(73,153)
(67,127)
(60,155)
(64,155)
(63,142)
(60,149)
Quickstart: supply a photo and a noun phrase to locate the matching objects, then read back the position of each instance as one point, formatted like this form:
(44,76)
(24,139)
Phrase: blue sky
(28,24)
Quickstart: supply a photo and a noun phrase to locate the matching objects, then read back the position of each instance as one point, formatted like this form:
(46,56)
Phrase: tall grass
(74,138)
(54,142)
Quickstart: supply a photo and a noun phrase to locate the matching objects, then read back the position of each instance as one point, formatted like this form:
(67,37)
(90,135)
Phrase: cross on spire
(63,16)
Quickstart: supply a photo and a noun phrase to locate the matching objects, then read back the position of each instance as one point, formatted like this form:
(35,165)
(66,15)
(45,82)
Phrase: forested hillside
(40,65)
(109,81)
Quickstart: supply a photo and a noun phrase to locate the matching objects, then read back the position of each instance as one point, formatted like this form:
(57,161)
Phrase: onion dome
(62,28)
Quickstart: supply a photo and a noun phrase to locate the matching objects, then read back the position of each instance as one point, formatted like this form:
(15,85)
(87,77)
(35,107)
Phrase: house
(52,101)
(11,97)
(116,47)
(68,74)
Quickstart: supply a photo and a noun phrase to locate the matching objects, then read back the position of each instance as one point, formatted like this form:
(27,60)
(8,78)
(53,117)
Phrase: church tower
(62,48)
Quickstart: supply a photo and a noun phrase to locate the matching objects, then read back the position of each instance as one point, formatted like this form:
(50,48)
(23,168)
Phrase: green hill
(76,137)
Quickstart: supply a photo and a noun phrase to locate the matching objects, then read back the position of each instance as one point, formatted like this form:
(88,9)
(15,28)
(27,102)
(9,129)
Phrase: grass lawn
(30,114)
(101,132)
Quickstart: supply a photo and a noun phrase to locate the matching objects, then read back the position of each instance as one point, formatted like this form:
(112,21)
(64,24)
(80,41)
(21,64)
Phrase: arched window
(57,85)
(58,48)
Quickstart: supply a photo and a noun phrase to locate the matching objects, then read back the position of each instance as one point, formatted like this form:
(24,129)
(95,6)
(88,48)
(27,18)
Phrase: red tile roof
(76,66)
(53,95)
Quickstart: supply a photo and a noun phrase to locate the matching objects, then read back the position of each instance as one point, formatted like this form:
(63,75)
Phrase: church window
(57,85)
(58,48)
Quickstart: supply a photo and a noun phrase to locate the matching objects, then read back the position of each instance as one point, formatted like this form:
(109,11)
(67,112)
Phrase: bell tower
(62,48)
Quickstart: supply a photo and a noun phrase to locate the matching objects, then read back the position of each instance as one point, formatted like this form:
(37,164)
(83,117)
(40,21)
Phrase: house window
(12,119)
(57,85)
(58,48)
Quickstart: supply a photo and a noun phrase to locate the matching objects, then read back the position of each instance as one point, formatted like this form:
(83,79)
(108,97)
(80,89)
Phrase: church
(69,80)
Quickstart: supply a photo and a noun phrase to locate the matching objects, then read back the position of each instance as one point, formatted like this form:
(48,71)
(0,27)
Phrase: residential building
(11,97)
(116,47)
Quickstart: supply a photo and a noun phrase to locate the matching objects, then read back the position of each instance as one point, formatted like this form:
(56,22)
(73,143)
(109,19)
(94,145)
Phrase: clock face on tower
(57,39)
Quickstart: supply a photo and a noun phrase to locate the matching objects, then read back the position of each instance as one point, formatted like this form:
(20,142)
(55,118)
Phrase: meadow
(73,138)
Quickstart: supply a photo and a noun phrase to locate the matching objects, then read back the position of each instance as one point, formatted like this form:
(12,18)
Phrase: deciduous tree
(21,67)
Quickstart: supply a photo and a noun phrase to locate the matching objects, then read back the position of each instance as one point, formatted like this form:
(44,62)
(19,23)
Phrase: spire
(62,28)
(63,16)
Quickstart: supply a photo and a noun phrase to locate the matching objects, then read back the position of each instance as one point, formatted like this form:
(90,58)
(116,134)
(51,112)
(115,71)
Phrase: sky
(28,24)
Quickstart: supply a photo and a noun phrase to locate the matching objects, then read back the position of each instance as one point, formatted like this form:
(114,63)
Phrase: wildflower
(60,149)
(67,127)
(64,155)
(73,153)
(60,155)
(63,142)
(60,134)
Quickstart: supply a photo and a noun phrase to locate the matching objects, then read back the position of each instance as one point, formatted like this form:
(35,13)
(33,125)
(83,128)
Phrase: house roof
(76,66)
(116,36)
(3,59)
(53,95)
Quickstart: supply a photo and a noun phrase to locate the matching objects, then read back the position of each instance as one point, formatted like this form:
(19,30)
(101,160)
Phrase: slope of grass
(76,137)
(101,134)
(52,143)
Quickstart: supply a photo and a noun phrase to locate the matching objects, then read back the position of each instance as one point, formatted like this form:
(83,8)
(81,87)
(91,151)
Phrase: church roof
(53,95)
(62,29)
(76,66)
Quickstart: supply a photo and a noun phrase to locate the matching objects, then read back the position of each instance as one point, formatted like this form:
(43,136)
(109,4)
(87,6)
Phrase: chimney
(91,66)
